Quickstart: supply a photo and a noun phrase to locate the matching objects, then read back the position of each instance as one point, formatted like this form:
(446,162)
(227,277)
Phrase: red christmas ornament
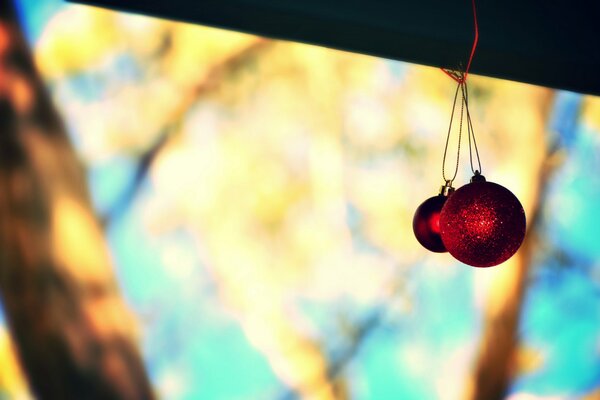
(426,222)
(482,224)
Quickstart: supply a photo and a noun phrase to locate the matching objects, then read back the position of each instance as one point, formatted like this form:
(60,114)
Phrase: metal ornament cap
(482,224)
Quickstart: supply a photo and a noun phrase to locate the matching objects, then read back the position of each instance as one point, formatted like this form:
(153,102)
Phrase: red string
(462,77)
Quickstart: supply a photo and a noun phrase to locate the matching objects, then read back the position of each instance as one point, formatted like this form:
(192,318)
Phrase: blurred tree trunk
(497,362)
(74,335)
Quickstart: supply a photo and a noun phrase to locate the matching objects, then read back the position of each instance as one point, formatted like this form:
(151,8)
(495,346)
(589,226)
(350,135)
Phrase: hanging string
(464,109)
(462,77)
(449,181)
(471,133)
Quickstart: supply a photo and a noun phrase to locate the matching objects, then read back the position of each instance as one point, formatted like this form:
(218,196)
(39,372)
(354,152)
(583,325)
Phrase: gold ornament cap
(447,189)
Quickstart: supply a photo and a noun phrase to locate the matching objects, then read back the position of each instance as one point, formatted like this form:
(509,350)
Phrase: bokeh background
(257,197)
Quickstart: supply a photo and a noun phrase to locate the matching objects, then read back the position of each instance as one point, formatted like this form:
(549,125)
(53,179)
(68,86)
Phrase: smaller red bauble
(482,224)
(426,223)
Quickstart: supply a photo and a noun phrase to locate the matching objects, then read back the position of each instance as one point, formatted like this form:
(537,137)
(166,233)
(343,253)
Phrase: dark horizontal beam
(554,43)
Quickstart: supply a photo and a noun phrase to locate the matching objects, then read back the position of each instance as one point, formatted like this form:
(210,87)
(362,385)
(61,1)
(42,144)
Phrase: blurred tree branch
(206,84)
(74,334)
(357,333)
(340,360)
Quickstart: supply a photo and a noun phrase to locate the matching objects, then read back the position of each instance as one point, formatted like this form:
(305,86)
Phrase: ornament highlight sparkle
(426,222)
(482,224)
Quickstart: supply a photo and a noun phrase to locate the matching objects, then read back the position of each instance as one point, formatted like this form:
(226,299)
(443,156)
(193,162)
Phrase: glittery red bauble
(426,224)
(482,224)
